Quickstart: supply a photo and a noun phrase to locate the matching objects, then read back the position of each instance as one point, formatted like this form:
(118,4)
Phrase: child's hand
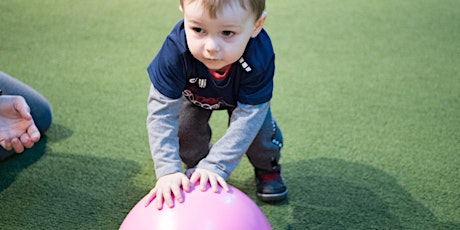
(165,186)
(204,175)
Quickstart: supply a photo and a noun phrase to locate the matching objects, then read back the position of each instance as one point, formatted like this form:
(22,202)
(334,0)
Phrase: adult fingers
(33,132)
(26,141)
(6,144)
(22,107)
(17,145)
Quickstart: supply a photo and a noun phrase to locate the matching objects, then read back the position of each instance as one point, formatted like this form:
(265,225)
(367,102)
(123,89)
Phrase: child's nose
(212,46)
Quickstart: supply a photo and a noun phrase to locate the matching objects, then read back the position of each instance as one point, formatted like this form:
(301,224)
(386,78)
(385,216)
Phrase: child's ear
(181,9)
(259,25)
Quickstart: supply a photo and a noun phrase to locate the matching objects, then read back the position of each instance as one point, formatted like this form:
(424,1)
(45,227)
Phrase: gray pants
(195,139)
(40,109)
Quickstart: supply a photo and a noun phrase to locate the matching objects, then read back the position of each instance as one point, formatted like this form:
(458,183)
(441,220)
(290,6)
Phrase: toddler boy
(218,57)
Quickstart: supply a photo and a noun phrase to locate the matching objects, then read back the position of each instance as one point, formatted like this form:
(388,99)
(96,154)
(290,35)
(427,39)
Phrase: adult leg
(194,134)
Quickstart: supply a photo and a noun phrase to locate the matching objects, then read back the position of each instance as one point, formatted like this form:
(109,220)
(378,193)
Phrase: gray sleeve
(162,127)
(227,152)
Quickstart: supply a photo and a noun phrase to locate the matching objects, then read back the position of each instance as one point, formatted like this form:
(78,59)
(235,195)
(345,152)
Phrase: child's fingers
(159,200)
(186,184)
(203,181)
(177,193)
(194,178)
(152,194)
(223,183)
(213,182)
(167,199)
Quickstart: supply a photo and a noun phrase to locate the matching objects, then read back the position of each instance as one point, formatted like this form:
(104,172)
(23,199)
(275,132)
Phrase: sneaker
(270,186)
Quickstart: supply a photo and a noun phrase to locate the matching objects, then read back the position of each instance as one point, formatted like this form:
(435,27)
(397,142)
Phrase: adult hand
(166,185)
(17,128)
(204,176)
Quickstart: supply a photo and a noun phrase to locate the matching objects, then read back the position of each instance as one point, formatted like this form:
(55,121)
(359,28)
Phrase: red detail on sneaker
(270,177)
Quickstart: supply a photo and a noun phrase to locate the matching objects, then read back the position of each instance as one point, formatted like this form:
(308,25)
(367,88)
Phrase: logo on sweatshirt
(245,65)
(200,81)
(209,103)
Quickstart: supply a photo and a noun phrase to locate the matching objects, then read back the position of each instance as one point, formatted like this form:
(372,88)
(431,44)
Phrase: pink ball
(200,210)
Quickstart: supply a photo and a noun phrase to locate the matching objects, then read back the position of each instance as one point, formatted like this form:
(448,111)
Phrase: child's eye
(227,33)
(197,30)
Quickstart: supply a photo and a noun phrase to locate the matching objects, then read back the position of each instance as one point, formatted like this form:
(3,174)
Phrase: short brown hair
(257,7)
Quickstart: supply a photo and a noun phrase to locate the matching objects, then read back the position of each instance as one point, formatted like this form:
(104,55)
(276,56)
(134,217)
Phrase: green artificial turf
(367,94)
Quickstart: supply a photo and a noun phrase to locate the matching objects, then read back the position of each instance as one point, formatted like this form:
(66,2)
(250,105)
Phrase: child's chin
(219,68)
(214,65)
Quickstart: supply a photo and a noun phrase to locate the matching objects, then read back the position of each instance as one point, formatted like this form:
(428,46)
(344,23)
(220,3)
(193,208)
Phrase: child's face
(218,42)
